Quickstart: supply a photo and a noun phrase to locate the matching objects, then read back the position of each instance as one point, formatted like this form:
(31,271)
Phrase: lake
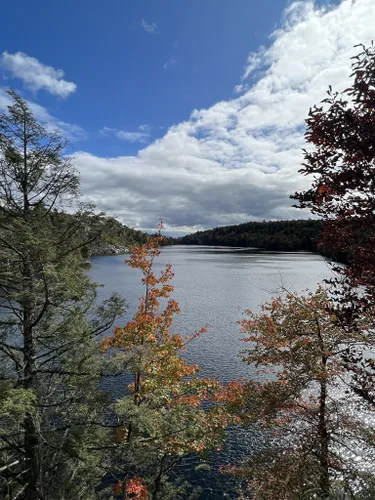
(213,285)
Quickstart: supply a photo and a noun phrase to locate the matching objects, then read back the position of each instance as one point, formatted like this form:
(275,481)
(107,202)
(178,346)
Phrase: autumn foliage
(299,401)
(134,488)
(161,417)
(341,162)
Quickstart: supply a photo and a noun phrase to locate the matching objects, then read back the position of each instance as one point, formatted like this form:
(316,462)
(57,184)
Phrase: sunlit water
(213,286)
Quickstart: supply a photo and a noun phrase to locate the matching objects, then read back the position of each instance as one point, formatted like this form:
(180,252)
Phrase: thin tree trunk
(32,490)
(157,483)
(324,442)
(324,438)
(31,439)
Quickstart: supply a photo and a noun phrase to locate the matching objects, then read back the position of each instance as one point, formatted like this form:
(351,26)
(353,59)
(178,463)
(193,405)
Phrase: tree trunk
(31,437)
(324,442)
(31,443)
(157,483)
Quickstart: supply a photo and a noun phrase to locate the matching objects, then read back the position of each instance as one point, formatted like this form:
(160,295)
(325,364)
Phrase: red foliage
(342,163)
(342,132)
(135,489)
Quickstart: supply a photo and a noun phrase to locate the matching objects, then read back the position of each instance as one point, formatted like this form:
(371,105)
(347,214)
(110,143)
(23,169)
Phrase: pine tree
(51,419)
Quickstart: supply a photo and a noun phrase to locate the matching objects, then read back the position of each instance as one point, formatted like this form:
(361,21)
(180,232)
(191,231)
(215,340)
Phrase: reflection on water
(213,285)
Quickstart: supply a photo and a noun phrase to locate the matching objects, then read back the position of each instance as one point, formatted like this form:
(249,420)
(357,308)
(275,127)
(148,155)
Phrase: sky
(191,111)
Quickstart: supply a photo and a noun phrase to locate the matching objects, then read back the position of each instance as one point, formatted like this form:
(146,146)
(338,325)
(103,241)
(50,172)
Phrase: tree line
(63,437)
(289,235)
(283,235)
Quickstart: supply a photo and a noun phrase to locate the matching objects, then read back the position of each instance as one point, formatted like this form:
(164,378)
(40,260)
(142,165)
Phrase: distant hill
(290,235)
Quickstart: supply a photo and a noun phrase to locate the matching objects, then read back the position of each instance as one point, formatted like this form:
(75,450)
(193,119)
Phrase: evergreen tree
(51,416)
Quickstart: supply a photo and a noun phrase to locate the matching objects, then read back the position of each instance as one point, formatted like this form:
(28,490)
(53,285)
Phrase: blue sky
(191,110)
(127,77)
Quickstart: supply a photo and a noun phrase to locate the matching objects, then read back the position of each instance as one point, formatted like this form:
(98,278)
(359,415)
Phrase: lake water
(213,285)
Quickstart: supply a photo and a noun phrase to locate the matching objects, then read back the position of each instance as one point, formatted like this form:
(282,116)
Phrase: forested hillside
(289,235)
(105,235)
(114,237)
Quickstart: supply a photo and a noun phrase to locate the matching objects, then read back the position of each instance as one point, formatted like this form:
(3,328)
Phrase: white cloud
(36,75)
(255,61)
(132,136)
(144,128)
(238,160)
(170,62)
(150,28)
(142,136)
(70,131)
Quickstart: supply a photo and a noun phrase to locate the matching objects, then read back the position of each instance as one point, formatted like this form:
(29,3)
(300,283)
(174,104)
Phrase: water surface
(213,286)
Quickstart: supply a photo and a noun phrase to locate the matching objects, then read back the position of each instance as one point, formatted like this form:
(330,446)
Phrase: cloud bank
(238,160)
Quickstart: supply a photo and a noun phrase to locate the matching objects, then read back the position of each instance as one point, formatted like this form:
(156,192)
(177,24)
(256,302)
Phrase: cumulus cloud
(142,135)
(70,131)
(150,28)
(36,75)
(238,160)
